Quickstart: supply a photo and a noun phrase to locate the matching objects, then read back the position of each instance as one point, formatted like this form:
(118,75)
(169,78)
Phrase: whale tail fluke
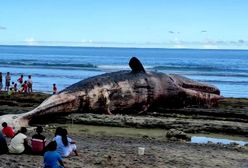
(136,65)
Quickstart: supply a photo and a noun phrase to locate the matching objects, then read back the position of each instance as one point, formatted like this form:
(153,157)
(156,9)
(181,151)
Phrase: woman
(19,143)
(65,145)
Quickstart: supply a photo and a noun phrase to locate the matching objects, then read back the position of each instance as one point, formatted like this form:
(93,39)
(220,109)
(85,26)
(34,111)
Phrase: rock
(174,134)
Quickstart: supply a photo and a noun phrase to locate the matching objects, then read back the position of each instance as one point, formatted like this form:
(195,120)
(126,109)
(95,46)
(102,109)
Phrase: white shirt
(61,148)
(17,143)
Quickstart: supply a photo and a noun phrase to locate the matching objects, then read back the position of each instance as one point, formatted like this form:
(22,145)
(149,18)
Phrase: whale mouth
(195,86)
(201,88)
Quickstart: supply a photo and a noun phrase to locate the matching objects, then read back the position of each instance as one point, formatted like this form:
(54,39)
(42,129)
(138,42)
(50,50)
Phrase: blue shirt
(51,159)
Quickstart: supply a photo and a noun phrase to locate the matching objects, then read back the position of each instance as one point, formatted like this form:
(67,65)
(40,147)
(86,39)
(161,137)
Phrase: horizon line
(75,46)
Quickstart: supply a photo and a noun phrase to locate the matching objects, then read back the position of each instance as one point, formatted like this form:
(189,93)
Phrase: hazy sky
(126,23)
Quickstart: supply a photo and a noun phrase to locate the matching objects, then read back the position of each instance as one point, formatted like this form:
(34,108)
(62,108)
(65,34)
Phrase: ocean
(226,69)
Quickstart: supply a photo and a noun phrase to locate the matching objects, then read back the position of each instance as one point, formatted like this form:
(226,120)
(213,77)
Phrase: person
(30,84)
(7,130)
(1,81)
(11,91)
(15,87)
(7,81)
(25,87)
(19,143)
(58,131)
(38,141)
(52,157)
(12,85)
(65,145)
(3,144)
(20,80)
(54,88)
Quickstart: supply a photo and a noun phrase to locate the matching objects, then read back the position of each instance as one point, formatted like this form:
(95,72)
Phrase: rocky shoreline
(230,117)
(112,150)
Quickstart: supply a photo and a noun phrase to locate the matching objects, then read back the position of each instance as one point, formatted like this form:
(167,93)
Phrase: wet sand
(105,150)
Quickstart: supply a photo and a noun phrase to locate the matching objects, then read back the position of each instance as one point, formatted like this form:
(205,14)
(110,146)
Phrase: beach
(107,141)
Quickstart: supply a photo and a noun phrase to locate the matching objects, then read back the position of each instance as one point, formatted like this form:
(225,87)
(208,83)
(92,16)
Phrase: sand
(105,150)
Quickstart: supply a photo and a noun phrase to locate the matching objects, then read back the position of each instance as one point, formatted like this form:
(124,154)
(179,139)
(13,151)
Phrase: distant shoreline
(108,47)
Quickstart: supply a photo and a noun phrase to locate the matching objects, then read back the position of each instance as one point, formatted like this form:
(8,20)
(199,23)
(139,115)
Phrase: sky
(210,24)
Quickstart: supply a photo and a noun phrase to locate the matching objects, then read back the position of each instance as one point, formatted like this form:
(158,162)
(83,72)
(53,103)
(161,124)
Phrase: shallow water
(204,140)
(152,133)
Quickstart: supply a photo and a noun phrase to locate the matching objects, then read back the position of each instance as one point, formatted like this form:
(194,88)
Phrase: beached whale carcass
(123,92)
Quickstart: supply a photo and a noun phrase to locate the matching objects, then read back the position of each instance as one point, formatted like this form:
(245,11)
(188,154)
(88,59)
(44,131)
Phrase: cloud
(31,41)
(2,28)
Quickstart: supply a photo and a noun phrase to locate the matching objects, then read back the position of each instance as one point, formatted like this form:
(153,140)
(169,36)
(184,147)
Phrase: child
(12,85)
(25,87)
(51,157)
(11,91)
(15,87)
(30,84)
(54,88)
(20,80)
(7,130)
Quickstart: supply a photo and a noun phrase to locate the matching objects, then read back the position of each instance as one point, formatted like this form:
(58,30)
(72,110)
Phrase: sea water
(226,69)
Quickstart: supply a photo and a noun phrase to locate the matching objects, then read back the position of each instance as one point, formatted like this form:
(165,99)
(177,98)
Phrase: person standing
(30,84)
(20,80)
(1,81)
(54,88)
(7,81)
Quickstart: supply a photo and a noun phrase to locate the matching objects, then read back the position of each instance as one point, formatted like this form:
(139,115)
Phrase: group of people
(61,145)
(21,85)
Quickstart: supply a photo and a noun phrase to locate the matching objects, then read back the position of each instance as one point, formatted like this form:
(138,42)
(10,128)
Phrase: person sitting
(11,91)
(38,141)
(65,145)
(52,157)
(19,143)
(7,130)
(3,144)
(58,131)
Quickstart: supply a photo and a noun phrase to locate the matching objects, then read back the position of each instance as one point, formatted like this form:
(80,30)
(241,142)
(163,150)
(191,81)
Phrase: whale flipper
(136,65)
